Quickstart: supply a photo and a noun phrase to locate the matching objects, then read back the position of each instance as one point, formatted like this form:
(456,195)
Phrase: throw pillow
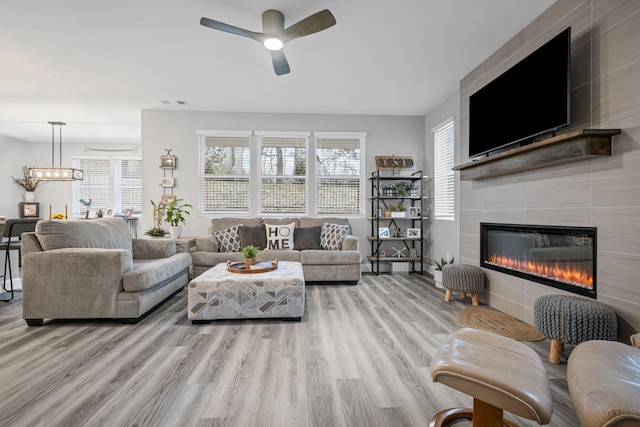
(307,238)
(280,236)
(228,239)
(253,235)
(332,236)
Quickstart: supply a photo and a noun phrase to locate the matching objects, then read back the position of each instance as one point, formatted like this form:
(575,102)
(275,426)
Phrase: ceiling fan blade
(280,64)
(312,24)
(221,26)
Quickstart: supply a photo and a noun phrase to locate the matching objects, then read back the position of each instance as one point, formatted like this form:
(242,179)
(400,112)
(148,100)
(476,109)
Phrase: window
(443,181)
(339,174)
(109,182)
(281,173)
(225,172)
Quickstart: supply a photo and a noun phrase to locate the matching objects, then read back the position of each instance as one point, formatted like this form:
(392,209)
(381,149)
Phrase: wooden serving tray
(259,267)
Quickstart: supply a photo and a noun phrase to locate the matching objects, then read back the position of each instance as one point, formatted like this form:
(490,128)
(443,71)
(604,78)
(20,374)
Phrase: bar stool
(13,229)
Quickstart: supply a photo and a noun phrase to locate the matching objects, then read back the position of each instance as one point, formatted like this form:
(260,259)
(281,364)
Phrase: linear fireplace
(562,257)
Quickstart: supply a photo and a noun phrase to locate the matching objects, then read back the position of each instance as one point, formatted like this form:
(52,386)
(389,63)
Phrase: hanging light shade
(56,173)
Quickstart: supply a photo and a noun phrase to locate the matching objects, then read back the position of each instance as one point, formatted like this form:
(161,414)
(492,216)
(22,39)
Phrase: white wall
(176,130)
(18,153)
(445,234)
(602,193)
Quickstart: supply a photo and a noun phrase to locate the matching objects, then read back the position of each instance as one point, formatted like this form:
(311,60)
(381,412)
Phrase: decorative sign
(388,163)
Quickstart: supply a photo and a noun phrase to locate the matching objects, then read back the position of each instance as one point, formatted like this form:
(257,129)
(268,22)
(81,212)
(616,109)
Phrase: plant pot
(29,196)
(437,278)
(248,262)
(175,231)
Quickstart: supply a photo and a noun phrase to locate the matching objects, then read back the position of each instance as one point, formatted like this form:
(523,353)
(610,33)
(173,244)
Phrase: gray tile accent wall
(603,193)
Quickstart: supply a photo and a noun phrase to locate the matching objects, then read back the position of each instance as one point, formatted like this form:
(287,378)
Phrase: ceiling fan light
(273,44)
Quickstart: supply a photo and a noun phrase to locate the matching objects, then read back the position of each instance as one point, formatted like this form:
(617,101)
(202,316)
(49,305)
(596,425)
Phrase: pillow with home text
(280,236)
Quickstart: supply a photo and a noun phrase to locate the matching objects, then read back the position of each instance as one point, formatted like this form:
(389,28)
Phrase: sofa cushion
(105,233)
(279,236)
(332,235)
(323,257)
(222,223)
(149,273)
(253,235)
(228,239)
(307,238)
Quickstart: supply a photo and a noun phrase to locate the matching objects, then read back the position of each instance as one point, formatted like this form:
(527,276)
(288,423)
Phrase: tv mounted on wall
(528,100)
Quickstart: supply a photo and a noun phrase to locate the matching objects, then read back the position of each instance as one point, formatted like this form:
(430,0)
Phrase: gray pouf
(463,278)
(567,319)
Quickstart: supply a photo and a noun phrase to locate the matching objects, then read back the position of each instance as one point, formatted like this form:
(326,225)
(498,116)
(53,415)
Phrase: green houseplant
(249,253)
(174,215)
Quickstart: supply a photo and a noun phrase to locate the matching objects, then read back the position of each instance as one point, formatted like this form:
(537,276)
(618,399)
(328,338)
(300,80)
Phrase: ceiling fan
(274,35)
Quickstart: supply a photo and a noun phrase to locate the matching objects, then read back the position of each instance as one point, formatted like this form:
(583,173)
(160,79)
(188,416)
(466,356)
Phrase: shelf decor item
(392,163)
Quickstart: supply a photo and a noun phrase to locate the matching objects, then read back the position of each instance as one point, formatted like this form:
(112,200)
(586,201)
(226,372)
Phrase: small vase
(248,262)
(437,278)
(175,231)
(29,196)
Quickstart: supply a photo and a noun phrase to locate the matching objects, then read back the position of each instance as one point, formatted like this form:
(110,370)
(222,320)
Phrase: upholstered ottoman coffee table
(220,294)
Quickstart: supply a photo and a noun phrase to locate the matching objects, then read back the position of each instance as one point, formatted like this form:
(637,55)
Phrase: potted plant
(28,184)
(158,214)
(437,273)
(249,253)
(398,211)
(174,215)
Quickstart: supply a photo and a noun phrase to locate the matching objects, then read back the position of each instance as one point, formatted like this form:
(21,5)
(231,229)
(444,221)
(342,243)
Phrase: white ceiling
(96,64)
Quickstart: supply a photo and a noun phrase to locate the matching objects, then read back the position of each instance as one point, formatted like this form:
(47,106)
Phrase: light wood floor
(359,357)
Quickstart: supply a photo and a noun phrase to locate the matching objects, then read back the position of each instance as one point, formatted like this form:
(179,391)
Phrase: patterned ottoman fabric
(573,320)
(220,294)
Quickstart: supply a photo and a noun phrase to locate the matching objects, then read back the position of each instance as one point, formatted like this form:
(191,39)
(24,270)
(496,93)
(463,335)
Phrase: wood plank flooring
(359,357)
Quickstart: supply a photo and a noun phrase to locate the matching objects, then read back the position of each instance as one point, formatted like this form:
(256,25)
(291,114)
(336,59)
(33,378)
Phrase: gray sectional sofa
(94,269)
(339,264)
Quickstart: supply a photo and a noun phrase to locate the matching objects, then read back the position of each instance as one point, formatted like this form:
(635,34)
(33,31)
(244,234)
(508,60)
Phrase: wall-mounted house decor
(168,161)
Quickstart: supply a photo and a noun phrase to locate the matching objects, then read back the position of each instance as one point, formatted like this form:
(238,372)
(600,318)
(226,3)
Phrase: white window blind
(109,183)
(281,173)
(338,175)
(283,181)
(225,173)
(443,180)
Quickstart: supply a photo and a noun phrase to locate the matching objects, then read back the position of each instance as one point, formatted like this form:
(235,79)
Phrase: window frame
(443,174)
(114,187)
(255,174)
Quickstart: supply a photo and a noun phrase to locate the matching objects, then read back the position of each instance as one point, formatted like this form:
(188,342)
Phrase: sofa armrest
(207,244)
(350,243)
(153,248)
(73,283)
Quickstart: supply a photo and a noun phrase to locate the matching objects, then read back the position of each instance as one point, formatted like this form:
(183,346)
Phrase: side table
(186,244)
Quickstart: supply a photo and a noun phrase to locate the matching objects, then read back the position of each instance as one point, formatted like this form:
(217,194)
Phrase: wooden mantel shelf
(568,147)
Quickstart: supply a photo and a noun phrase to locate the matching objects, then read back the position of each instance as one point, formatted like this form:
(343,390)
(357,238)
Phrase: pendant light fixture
(56,173)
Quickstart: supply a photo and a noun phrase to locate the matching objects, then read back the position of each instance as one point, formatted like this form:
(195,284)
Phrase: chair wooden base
(482,415)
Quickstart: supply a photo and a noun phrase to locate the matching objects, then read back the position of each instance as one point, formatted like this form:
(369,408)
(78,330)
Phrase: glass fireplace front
(562,257)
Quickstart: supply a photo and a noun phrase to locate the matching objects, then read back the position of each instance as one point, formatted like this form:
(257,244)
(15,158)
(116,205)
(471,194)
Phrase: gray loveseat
(341,264)
(93,269)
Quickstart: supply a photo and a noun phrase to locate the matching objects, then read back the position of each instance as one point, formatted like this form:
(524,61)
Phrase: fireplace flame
(562,272)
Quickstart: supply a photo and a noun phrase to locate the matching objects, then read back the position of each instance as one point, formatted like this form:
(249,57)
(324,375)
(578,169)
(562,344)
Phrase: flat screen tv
(528,100)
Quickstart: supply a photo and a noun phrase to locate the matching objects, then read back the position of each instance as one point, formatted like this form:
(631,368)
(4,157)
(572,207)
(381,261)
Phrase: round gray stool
(567,319)
(463,278)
